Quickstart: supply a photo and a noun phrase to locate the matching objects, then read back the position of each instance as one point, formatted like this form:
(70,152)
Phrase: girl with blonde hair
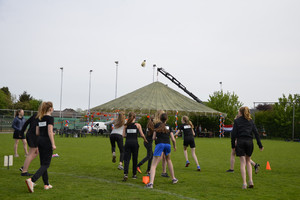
(46,145)
(116,137)
(243,130)
(188,140)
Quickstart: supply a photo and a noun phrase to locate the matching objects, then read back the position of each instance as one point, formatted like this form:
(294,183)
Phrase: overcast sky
(253,47)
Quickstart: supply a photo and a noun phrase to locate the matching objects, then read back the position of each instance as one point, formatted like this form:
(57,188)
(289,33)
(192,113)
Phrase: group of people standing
(157,130)
(160,132)
(40,139)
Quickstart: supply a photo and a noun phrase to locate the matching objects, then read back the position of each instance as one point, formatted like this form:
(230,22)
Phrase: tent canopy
(153,97)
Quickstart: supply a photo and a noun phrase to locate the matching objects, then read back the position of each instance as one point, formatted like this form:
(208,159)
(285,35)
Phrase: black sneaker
(256,167)
(125,177)
(149,185)
(26,174)
(165,175)
(230,170)
(21,169)
(134,177)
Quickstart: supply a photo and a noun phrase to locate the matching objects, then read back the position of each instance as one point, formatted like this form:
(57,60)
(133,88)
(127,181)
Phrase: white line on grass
(128,184)
(119,183)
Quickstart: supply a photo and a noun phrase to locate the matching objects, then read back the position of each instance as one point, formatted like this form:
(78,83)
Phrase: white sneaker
(30,185)
(47,187)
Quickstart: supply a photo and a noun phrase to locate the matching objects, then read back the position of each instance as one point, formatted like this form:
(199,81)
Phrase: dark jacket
(32,122)
(243,128)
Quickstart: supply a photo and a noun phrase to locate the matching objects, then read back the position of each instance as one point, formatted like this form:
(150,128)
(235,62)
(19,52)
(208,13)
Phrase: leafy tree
(25,97)
(225,102)
(3,100)
(278,121)
(264,107)
(6,101)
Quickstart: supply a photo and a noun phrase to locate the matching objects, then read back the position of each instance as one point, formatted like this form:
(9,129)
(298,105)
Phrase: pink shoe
(30,185)
(47,187)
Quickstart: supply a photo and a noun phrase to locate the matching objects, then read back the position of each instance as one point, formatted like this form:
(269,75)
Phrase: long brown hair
(43,109)
(245,112)
(157,116)
(150,126)
(187,121)
(131,117)
(162,126)
(120,121)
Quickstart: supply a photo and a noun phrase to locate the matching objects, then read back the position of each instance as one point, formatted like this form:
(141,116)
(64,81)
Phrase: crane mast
(176,82)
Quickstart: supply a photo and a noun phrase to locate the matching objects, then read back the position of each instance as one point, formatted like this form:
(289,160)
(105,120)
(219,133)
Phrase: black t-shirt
(43,125)
(131,133)
(187,130)
(163,137)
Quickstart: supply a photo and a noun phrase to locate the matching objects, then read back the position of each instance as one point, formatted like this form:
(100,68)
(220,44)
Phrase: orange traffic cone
(146,179)
(268,167)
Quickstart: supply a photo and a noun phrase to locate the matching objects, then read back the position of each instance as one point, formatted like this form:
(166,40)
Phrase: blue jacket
(18,123)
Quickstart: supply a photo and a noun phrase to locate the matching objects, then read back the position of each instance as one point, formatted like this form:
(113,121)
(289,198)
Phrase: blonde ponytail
(43,109)
(245,112)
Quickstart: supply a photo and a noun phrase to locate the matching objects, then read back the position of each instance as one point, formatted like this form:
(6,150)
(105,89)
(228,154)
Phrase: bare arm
(193,132)
(51,136)
(177,132)
(124,133)
(173,140)
(141,132)
(37,130)
(154,135)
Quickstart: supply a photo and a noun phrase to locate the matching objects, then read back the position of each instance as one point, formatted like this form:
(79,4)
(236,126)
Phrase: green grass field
(84,171)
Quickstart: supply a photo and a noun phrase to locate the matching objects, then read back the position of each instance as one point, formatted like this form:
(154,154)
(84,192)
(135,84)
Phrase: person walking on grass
(130,132)
(17,125)
(232,161)
(232,158)
(188,140)
(31,138)
(46,145)
(243,129)
(148,146)
(162,134)
(116,137)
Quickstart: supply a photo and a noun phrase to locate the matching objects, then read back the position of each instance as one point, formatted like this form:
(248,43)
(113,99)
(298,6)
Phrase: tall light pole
(154,71)
(117,63)
(61,85)
(89,95)
(220,85)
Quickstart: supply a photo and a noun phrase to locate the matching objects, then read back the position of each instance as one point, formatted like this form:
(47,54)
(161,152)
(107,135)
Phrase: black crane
(176,82)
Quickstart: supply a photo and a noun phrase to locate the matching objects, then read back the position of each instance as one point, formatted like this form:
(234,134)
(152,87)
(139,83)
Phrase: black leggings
(148,157)
(131,148)
(45,150)
(119,139)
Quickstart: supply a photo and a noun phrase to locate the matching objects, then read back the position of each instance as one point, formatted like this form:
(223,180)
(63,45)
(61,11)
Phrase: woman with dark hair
(243,130)
(17,125)
(116,137)
(46,145)
(148,146)
(130,132)
(162,134)
(31,138)
(188,140)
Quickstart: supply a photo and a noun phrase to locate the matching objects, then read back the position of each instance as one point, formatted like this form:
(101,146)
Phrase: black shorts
(31,140)
(189,141)
(244,147)
(18,135)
